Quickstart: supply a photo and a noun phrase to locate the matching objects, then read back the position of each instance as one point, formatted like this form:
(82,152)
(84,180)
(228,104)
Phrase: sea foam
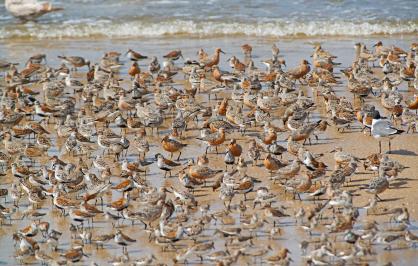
(138,28)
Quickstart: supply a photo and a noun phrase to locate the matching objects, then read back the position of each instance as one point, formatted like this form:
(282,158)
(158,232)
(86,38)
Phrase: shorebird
(382,128)
(229,159)
(214,61)
(174,55)
(123,240)
(63,203)
(29,10)
(171,145)
(134,70)
(214,139)
(281,258)
(274,213)
(289,170)
(154,66)
(74,254)
(134,56)
(272,164)
(413,103)
(100,240)
(410,237)
(245,186)
(75,61)
(80,216)
(165,164)
(401,215)
(201,172)
(120,204)
(377,185)
(301,71)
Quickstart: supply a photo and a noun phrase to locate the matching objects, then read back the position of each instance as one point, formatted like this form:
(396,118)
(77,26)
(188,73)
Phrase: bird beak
(222,51)
(333,151)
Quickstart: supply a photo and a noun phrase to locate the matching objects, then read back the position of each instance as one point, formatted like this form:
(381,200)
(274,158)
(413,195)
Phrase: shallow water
(93,18)
(293,51)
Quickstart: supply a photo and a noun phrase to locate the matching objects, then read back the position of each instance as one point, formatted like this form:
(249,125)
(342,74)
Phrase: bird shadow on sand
(398,184)
(390,199)
(403,152)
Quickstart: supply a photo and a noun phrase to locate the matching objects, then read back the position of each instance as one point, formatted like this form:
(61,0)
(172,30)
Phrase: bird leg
(389,147)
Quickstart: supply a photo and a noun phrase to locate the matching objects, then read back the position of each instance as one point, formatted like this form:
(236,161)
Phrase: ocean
(217,18)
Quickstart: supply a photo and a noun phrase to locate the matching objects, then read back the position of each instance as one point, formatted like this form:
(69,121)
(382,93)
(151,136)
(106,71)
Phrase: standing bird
(134,70)
(235,148)
(75,61)
(154,66)
(382,128)
(376,186)
(165,164)
(123,240)
(135,56)
(174,55)
(214,139)
(229,159)
(29,9)
(247,49)
(172,145)
(215,58)
(300,71)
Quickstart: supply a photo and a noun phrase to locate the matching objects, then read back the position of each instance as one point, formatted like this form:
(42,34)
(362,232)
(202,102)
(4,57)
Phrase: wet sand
(405,150)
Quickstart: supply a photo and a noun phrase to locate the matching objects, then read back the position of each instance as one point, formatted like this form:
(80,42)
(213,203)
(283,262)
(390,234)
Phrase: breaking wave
(141,28)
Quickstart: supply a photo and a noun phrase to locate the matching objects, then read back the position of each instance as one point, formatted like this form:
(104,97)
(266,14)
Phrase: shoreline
(182,36)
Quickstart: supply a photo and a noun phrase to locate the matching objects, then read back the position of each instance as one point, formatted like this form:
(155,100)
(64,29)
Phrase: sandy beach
(405,149)
(337,228)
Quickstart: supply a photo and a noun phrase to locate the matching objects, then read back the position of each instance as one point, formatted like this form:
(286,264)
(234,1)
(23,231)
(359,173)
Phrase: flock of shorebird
(84,141)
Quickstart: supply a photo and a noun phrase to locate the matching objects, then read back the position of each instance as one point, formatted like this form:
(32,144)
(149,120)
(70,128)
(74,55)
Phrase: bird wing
(170,163)
(383,128)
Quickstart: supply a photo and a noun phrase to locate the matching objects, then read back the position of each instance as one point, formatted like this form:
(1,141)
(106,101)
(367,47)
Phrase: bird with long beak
(215,58)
